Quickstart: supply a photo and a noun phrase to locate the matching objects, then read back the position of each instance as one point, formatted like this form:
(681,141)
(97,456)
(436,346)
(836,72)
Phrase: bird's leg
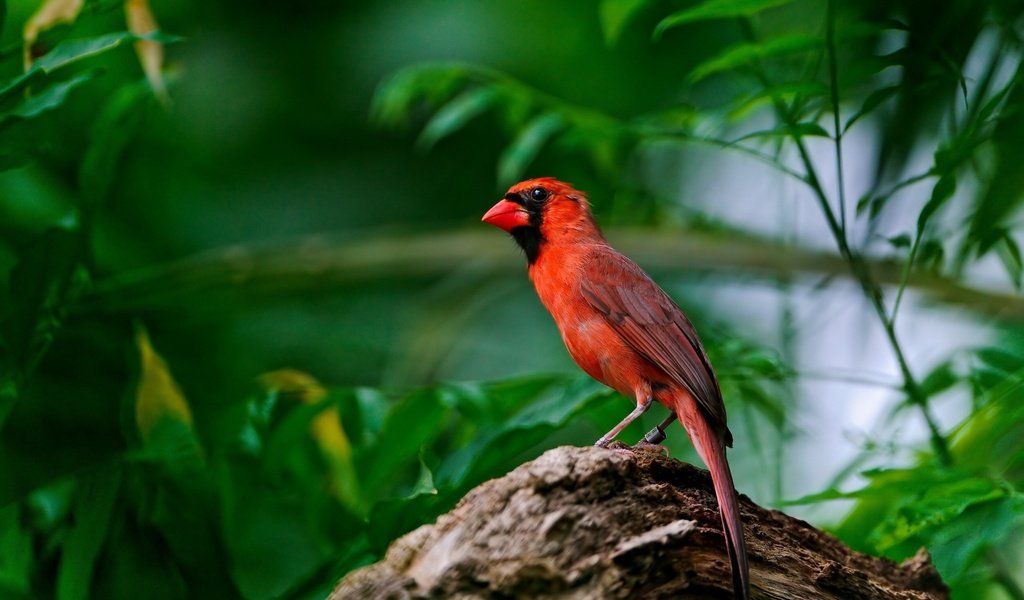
(641,408)
(656,436)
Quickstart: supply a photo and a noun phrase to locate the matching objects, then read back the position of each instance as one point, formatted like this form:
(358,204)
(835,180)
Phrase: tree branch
(621,523)
(321,262)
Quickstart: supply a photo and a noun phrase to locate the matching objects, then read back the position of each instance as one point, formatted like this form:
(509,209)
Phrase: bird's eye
(539,194)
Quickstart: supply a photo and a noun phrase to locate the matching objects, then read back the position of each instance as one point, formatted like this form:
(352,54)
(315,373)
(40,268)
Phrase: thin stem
(733,145)
(861,272)
(874,294)
(833,72)
(908,182)
(905,278)
(859,269)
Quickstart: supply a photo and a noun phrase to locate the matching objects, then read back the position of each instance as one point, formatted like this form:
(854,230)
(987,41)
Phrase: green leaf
(930,255)
(940,379)
(942,192)
(395,98)
(1000,359)
(47,99)
(715,9)
(958,545)
(397,516)
(93,508)
(873,101)
(526,146)
(411,424)
(787,92)
(1011,256)
(747,54)
(901,241)
(456,114)
(798,130)
(270,543)
(41,284)
(71,51)
(16,554)
(936,507)
(616,14)
(497,449)
(116,126)
(491,404)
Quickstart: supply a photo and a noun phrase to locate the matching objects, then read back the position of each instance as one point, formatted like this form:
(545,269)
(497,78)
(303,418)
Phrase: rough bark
(591,523)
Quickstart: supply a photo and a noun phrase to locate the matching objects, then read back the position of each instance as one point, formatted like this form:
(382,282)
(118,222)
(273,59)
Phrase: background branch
(319,262)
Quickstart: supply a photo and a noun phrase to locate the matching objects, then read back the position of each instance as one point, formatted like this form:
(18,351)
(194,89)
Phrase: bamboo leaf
(454,115)
(715,9)
(616,14)
(942,192)
(940,379)
(873,101)
(394,99)
(1010,255)
(798,130)
(525,147)
(901,241)
(931,254)
(746,54)
(802,90)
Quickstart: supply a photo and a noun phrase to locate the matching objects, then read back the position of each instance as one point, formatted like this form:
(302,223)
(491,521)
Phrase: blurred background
(253,330)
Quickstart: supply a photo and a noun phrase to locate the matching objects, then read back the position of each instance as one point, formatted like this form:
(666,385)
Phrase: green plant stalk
(860,271)
(907,267)
(833,73)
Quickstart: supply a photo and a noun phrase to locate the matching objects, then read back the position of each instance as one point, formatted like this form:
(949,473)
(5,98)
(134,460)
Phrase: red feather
(624,330)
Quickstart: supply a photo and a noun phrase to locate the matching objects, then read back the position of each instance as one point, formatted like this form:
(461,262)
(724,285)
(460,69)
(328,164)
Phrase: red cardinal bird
(624,331)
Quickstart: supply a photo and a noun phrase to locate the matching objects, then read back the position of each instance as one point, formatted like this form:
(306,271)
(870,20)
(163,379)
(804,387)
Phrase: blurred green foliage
(176,267)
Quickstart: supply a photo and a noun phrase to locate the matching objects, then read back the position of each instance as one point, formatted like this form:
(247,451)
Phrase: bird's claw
(645,446)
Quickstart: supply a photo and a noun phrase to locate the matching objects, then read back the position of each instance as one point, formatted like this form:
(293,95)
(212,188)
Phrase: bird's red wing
(651,323)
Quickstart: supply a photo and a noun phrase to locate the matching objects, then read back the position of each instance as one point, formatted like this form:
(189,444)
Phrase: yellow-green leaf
(49,14)
(158,396)
(325,428)
(141,22)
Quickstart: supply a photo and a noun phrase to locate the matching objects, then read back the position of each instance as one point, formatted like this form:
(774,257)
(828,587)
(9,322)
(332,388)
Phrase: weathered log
(619,523)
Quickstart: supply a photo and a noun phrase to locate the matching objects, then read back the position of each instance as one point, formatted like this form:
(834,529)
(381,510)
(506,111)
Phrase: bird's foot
(645,446)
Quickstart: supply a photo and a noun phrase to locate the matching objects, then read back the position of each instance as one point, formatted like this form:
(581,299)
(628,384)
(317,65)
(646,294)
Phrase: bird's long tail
(710,445)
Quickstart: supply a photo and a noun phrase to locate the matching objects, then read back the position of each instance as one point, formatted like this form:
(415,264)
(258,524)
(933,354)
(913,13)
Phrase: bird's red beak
(507,215)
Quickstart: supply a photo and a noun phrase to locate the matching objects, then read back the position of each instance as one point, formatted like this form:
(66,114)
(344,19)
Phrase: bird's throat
(529,239)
